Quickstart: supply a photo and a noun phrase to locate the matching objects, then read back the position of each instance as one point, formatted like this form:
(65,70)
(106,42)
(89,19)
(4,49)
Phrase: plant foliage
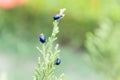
(103,47)
(46,63)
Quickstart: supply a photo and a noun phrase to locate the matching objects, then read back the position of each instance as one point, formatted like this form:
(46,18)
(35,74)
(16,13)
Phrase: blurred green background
(21,25)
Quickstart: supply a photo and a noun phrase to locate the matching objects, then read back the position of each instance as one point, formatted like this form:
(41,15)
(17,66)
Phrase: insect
(57,16)
(60,15)
(42,38)
(58,61)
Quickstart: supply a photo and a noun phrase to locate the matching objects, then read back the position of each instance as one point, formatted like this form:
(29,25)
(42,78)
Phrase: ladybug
(58,61)
(42,38)
(57,16)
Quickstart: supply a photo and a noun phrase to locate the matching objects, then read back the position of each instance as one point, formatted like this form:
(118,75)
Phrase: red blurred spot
(8,4)
(20,2)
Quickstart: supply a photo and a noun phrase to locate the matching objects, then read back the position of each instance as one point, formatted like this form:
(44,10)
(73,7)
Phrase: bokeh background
(21,22)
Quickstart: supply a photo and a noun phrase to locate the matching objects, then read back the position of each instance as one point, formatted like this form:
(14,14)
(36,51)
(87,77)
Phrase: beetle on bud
(42,38)
(60,15)
(57,16)
(58,61)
